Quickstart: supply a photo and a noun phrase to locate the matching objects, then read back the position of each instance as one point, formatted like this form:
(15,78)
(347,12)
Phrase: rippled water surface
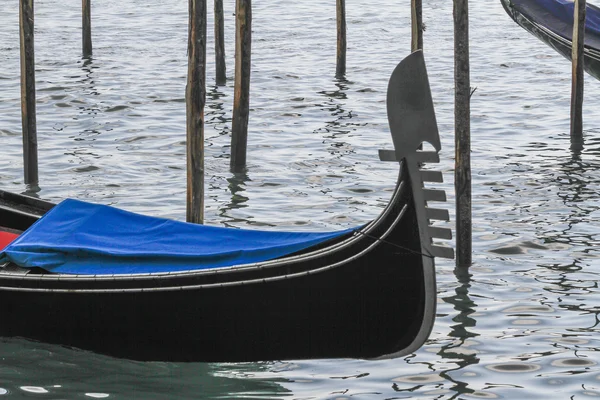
(522,323)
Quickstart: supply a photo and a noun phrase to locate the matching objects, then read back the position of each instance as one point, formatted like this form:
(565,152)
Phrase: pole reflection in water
(458,351)
(88,111)
(237,186)
(577,184)
(575,283)
(88,80)
(32,189)
(341,125)
(86,89)
(216,115)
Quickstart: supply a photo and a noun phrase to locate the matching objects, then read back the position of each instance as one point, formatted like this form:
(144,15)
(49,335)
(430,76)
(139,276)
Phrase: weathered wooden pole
(417,25)
(30,144)
(462,127)
(195,99)
(578,61)
(220,70)
(86,24)
(340,69)
(241,92)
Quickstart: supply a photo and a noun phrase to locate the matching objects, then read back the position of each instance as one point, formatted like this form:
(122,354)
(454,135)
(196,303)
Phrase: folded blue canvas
(76,237)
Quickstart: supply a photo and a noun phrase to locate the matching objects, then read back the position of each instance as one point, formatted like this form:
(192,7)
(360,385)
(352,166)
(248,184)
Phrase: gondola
(76,273)
(551,21)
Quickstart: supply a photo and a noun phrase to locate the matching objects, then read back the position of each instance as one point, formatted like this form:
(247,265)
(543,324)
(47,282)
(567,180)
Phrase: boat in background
(368,292)
(551,21)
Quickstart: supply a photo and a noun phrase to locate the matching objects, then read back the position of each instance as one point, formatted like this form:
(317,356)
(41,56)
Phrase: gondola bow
(367,292)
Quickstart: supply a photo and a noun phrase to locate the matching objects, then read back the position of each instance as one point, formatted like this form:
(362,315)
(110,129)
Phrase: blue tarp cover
(76,237)
(557,15)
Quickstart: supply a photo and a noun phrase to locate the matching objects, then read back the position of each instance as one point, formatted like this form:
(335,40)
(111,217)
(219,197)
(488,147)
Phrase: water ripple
(521,323)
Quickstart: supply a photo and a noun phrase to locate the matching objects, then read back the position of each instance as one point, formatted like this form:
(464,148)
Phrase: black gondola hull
(370,305)
(331,316)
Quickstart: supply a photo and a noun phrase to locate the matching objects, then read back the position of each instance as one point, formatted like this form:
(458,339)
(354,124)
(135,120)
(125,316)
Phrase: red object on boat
(6,238)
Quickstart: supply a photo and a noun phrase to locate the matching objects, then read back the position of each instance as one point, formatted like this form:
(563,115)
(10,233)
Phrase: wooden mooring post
(416,25)
(220,68)
(28,116)
(241,92)
(462,126)
(86,25)
(195,100)
(577,58)
(340,68)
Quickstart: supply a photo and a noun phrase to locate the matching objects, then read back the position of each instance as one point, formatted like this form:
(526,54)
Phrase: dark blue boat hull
(555,32)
